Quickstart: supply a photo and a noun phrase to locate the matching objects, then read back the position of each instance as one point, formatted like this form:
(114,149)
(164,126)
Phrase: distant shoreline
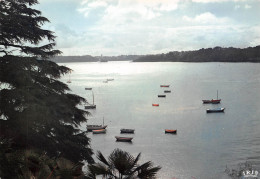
(217,54)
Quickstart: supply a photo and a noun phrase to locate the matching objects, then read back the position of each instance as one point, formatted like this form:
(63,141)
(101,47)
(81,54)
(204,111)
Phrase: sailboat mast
(217,94)
(93,97)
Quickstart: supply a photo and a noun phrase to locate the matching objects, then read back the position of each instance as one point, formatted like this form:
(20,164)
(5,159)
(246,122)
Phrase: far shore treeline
(216,54)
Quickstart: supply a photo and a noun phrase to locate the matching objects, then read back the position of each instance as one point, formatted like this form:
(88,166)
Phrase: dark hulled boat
(166,86)
(167,91)
(171,131)
(131,131)
(123,139)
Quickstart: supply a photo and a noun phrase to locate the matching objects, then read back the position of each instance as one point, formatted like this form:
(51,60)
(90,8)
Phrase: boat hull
(161,96)
(130,131)
(123,139)
(170,131)
(213,101)
(215,110)
(165,86)
(155,105)
(95,127)
(90,107)
(167,91)
(100,131)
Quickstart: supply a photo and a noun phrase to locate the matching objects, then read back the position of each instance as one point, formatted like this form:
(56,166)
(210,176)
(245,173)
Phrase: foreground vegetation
(121,165)
(37,112)
(39,118)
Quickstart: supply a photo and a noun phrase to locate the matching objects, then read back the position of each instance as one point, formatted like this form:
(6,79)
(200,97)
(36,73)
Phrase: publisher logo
(250,174)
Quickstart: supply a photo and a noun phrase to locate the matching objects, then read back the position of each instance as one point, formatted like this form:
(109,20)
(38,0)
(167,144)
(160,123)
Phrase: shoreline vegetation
(216,54)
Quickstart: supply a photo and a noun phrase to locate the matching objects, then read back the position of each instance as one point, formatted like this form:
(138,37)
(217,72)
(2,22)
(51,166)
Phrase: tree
(29,164)
(36,109)
(121,165)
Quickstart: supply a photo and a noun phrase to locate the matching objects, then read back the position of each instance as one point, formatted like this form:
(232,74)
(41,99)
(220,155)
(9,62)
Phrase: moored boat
(215,110)
(123,139)
(171,131)
(69,81)
(212,101)
(155,104)
(167,91)
(99,131)
(88,88)
(95,127)
(166,86)
(90,106)
(127,131)
(162,96)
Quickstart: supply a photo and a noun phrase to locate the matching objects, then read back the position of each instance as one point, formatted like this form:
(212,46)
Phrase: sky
(139,27)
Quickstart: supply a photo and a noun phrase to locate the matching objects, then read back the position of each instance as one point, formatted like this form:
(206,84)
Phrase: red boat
(100,131)
(155,104)
(167,86)
(171,131)
(213,101)
(95,127)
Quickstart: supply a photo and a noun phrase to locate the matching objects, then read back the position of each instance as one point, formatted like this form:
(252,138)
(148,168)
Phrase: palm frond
(147,170)
(122,161)
(99,169)
(101,158)
(136,159)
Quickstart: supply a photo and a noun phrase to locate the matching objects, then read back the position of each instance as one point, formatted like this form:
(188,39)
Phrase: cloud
(96,4)
(123,9)
(114,27)
(216,1)
(160,40)
(248,6)
(254,34)
(88,6)
(206,18)
(237,7)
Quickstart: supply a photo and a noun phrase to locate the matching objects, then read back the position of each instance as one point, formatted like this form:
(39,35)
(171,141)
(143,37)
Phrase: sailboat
(97,127)
(69,81)
(212,101)
(91,106)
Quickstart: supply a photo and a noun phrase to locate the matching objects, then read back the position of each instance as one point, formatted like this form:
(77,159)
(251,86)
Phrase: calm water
(205,143)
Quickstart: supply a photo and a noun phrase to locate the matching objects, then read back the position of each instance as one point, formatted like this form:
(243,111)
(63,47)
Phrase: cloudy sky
(115,27)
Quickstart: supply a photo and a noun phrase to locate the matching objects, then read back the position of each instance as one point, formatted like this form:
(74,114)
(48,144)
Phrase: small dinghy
(165,86)
(171,131)
(123,139)
(162,96)
(131,131)
(216,110)
(155,104)
(100,131)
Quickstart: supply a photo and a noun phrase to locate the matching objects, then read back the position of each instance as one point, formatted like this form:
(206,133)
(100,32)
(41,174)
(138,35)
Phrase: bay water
(205,143)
